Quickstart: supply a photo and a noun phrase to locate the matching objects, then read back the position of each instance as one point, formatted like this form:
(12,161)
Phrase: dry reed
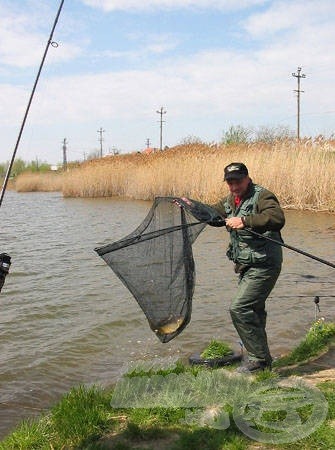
(300,175)
(43,182)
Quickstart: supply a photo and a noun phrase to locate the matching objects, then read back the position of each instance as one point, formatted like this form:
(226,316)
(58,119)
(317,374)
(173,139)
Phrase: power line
(161,112)
(100,140)
(298,76)
(64,155)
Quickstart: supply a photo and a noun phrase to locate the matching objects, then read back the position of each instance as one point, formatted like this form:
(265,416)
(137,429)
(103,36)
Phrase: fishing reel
(4,268)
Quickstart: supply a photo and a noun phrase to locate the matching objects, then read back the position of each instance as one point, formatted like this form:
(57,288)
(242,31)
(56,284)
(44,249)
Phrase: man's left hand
(235,223)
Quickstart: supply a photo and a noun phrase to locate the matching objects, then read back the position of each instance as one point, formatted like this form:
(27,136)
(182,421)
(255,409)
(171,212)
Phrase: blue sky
(210,63)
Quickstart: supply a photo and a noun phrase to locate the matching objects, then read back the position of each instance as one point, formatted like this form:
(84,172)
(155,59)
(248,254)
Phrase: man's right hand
(184,199)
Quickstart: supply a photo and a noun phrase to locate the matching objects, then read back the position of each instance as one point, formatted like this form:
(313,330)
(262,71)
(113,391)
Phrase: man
(257,260)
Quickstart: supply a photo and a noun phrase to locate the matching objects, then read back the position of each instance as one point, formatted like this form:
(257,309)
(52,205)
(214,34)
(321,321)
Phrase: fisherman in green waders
(257,261)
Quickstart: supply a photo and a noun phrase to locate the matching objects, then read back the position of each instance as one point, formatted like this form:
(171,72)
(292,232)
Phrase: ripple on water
(66,319)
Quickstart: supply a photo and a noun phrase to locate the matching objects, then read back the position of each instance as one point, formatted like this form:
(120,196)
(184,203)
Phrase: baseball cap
(235,171)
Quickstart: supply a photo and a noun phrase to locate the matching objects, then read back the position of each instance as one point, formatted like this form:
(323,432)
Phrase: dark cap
(235,171)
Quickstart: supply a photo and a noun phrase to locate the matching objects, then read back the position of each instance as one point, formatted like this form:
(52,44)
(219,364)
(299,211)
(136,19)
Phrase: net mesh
(155,262)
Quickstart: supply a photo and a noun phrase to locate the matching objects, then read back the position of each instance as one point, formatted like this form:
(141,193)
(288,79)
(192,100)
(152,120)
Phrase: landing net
(155,262)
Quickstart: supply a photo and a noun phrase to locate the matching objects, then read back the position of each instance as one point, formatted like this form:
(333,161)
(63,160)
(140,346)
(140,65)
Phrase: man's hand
(185,200)
(235,223)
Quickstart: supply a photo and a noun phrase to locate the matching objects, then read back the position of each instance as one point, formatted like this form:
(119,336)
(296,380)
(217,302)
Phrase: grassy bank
(316,340)
(85,419)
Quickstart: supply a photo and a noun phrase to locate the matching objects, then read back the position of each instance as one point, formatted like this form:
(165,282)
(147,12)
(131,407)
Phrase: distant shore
(301,175)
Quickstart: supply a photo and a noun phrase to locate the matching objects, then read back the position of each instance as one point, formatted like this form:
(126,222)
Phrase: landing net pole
(54,44)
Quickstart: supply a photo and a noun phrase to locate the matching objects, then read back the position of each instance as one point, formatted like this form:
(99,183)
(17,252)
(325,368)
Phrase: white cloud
(288,15)
(12,101)
(207,90)
(20,49)
(146,45)
(160,47)
(136,5)
(205,83)
(210,82)
(21,45)
(17,46)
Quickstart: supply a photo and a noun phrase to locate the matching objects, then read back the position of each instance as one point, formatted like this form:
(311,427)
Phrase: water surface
(66,319)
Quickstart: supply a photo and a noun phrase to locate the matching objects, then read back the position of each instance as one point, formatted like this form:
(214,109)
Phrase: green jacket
(262,213)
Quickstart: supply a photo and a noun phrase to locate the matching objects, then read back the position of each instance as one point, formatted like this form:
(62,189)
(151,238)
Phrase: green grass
(324,437)
(216,349)
(79,418)
(317,339)
(176,368)
(84,418)
(31,434)
(82,415)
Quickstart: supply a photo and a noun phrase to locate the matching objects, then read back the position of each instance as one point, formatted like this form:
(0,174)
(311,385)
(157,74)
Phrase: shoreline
(85,417)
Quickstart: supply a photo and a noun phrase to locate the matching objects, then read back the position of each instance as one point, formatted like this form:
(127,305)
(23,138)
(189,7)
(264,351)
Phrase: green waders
(248,309)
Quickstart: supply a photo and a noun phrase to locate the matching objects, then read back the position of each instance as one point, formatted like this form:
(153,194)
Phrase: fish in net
(155,262)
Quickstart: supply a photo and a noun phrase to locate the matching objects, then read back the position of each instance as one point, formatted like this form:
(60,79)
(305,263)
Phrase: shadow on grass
(172,438)
(324,361)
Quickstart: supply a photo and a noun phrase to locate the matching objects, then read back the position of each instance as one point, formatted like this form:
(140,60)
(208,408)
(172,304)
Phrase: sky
(211,64)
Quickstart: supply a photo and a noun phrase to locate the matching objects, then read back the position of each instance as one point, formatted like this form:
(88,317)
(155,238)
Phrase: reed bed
(42,182)
(302,176)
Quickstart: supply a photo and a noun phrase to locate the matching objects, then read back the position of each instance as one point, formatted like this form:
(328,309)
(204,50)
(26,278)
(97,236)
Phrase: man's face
(238,187)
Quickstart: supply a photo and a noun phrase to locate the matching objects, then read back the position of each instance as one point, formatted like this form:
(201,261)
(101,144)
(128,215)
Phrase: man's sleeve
(202,212)
(219,220)
(269,215)
(219,207)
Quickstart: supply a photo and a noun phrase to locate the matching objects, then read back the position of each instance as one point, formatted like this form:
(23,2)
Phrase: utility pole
(161,112)
(298,75)
(64,155)
(100,140)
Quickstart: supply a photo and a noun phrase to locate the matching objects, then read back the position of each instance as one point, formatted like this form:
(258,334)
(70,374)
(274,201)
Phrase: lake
(66,319)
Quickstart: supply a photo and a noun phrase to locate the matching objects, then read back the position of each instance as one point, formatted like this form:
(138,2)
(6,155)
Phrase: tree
(270,135)
(191,140)
(3,169)
(236,135)
(18,167)
(36,166)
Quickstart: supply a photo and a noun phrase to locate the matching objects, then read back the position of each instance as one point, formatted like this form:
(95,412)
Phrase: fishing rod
(55,45)
(282,243)
(290,247)
(220,222)
(154,234)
